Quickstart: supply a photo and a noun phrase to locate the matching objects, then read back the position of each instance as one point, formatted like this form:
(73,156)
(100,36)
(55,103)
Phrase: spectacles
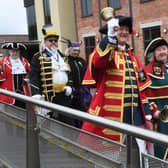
(52,40)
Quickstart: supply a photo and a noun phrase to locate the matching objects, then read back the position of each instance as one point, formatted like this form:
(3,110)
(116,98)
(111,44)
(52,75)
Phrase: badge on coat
(157,70)
(141,75)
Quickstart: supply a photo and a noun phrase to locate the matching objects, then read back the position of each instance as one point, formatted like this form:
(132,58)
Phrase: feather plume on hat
(49,34)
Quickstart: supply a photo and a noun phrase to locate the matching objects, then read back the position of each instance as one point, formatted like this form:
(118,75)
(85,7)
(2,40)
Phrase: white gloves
(149,116)
(40,110)
(67,90)
(113,25)
(37,96)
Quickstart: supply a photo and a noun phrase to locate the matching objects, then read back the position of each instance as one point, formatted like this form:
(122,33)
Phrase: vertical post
(32,141)
(129,151)
(100,21)
(76,29)
(130,11)
(129,138)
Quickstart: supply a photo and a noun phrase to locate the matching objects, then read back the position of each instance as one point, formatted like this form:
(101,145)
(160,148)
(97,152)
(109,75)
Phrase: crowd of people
(126,91)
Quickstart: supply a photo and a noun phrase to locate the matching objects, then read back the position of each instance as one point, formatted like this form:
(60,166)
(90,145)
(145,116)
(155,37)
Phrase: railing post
(129,151)
(32,140)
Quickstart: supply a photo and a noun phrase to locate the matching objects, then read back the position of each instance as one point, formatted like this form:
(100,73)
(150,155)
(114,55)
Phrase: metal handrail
(122,127)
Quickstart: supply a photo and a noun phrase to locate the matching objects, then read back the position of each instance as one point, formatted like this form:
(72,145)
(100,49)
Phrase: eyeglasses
(52,40)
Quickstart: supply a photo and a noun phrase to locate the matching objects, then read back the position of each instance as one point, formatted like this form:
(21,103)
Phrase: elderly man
(13,70)
(117,75)
(49,75)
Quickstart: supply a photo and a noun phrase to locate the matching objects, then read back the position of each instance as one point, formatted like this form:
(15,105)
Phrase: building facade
(80,20)
(150,19)
(52,15)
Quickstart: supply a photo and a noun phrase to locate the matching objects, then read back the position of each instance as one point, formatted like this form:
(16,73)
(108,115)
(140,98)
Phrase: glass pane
(89,45)
(116,4)
(146,34)
(86,6)
(155,32)
(89,7)
(31,19)
(47,16)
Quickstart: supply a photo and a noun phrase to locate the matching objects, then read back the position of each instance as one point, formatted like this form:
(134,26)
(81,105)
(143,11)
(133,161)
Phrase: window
(89,45)
(31,19)
(148,35)
(116,4)
(47,15)
(142,1)
(86,6)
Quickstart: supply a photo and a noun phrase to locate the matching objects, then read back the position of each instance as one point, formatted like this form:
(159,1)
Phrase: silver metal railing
(121,127)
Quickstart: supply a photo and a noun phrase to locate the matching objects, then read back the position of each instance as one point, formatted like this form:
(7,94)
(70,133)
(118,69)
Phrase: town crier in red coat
(13,71)
(120,82)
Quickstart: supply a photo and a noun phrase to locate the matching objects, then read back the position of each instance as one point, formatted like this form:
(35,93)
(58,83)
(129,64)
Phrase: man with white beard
(14,70)
(49,76)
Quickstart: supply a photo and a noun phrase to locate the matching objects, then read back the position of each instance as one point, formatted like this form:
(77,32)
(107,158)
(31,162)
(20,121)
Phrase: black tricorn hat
(123,21)
(159,41)
(13,46)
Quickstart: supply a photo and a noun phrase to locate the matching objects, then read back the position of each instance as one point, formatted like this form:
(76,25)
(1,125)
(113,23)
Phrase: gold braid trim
(145,86)
(106,51)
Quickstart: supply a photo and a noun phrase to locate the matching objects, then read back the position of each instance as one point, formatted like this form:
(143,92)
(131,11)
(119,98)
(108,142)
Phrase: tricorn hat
(13,46)
(123,21)
(75,45)
(159,41)
(49,34)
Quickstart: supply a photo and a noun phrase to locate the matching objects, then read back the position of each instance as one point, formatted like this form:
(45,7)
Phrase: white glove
(67,90)
(37,96)
(113,25)
(149,116)
(40,110)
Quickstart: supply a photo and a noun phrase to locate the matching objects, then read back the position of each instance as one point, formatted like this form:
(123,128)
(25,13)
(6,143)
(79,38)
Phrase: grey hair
(150,57)
(71,48)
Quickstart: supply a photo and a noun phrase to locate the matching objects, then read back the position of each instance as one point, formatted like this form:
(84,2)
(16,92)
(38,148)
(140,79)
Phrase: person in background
(14,70)
(120,90)
(157,93)
(49,76)
(81,96)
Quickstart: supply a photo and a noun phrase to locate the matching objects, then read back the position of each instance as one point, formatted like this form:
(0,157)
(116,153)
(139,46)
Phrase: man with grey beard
(49,76)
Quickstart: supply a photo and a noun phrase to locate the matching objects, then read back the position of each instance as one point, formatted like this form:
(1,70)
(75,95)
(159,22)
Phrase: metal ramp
(50,143)
(58,146)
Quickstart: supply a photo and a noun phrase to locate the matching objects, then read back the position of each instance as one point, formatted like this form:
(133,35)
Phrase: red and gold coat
(7,80)
(106,71)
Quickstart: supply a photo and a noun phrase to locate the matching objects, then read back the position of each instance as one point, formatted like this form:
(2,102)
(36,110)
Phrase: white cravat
(122,46)
(17,66)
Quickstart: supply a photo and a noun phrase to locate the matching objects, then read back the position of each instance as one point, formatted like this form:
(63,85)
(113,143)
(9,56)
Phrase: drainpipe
(130,11)
(76,29)
(100,21)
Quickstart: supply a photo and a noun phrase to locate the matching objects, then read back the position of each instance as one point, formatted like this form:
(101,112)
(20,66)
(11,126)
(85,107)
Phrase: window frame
(145,1)
(89,48)
(84,8)
(47,12)
(119,1)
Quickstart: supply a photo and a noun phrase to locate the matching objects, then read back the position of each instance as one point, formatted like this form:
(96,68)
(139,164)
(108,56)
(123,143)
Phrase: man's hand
(113,26)
(40,110)
(148,117)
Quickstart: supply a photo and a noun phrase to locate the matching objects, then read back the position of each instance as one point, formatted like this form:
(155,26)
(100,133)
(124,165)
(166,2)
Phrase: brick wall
(148,12)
